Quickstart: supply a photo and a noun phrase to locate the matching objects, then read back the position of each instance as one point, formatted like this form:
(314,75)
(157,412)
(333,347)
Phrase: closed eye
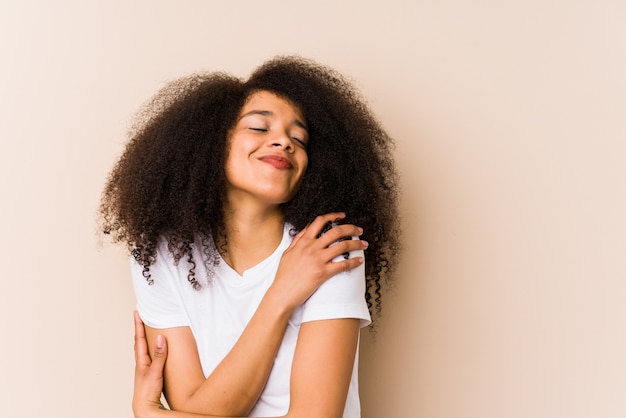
(300,142)
(258,129)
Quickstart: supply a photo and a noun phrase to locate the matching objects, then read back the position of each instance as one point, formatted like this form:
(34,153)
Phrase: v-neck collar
(235,279)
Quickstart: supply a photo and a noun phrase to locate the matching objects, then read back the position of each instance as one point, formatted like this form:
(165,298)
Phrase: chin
(279,198)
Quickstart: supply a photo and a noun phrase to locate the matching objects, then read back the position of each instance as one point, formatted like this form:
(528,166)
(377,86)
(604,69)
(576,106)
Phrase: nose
(282,140)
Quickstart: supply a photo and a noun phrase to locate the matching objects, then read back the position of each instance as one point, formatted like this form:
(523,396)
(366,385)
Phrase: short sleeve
(341,296)
(159,304)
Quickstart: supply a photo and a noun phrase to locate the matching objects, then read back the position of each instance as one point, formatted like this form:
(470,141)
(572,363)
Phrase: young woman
(238,200)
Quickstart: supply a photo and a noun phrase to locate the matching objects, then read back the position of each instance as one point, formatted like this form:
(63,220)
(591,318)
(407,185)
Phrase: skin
(266,161)
(267,153)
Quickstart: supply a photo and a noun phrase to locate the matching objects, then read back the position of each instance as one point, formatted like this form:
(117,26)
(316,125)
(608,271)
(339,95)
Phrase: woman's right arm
(149,378)
(234,386)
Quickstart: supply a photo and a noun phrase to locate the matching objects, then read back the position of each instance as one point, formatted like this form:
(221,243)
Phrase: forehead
(266,100)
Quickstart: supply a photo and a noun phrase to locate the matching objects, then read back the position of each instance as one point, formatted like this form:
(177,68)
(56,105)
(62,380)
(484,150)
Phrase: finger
(318,223)
(344,265)
(339,232)
(344,246)
(159,356)
(298,236)
(142,357)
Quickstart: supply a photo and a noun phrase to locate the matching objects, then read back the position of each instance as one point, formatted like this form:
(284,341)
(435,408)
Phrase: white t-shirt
(220,310)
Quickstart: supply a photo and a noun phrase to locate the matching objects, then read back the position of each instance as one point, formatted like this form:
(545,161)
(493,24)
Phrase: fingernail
(365,244)
(360,230)
(159,342)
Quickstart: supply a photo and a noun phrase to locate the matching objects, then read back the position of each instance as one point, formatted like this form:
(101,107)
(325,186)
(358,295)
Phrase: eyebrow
(268,113)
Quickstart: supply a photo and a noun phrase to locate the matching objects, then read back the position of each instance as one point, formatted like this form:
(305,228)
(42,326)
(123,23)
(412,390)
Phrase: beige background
(511,141)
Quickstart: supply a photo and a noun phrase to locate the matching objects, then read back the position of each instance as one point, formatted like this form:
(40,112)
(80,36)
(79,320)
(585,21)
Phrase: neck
(251,235)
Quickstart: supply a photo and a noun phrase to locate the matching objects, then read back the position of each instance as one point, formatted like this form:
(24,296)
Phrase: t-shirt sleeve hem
(323,312)
(160,323)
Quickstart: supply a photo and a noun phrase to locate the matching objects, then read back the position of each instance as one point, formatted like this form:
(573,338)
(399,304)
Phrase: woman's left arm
(322,367)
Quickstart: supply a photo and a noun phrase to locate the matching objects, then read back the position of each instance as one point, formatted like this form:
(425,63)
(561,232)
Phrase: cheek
(230,164)
(304,163)
(236,149)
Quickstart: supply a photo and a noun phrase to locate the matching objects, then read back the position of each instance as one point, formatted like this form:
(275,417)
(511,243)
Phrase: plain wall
(510,300)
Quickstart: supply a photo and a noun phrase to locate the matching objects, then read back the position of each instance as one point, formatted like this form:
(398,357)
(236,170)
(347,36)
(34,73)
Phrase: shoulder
(341,296)
(162,289)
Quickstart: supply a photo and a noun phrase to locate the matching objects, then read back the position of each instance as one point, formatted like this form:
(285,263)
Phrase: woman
(224,195)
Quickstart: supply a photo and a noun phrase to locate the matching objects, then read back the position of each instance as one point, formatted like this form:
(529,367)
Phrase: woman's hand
(148,372)
(308,261)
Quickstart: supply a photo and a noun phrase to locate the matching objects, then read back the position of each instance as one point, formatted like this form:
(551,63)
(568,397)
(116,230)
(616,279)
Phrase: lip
(277,161)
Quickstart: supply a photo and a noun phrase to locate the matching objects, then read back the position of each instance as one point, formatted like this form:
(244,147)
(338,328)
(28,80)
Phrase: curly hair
(170,180)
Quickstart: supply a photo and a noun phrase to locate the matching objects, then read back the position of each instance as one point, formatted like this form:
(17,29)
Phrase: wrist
(279,306)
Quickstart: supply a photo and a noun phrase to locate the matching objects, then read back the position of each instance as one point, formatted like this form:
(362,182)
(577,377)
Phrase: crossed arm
(323,360)
(320,378)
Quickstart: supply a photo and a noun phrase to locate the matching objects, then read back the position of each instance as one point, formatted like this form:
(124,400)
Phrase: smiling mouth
(277,162)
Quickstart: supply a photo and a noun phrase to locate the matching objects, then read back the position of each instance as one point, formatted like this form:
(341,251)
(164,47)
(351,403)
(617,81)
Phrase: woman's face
(266,155)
